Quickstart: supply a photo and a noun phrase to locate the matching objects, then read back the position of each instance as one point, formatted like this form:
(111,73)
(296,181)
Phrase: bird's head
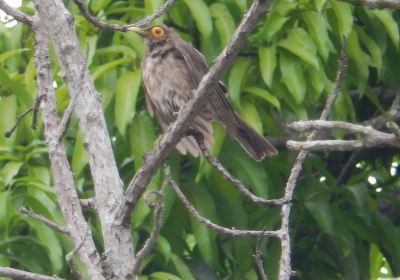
(155,34)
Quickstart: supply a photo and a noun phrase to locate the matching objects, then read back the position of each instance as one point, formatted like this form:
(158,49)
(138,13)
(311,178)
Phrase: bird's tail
(255,145)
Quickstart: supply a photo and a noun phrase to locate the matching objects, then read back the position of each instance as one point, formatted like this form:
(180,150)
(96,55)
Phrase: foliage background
(339,228)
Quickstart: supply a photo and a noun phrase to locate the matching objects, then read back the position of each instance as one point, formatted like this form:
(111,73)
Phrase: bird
(171,71)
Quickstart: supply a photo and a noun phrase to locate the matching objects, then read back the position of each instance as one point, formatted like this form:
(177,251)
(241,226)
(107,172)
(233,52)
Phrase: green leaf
(223,21)
(163,276)
(300,43)
(318,26)
(237,75)
(249,113)
(8,112)
(358,59)
(99,4)
(392,28)
(273,25)
(15,86)
(142,137)
(103,69)
(317,204)
(79,156)
(6,55)
(319,82)
(264,94)
(373,48)
(267,62)
(10,170)
(5,214)
(201,16)
(180,266)
(164,247)
(126,92)
(293,77)
(344,17)
(242,4)
(117,49)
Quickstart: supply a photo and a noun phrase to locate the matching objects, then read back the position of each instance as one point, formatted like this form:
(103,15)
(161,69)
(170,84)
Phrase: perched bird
(171,71)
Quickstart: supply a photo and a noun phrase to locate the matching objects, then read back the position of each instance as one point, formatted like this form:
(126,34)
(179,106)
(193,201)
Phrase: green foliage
(284,73)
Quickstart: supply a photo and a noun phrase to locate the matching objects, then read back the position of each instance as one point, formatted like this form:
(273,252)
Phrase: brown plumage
(171,71)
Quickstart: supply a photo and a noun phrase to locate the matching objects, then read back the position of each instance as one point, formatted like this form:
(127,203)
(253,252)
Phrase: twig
(258,257)
(44,220)
(24,275)
(213,161)
(285,268)
(375,4)
(69,258)
(348,167)
(176,130)
(122,27)
(15,13)
(35,111)
(149,243)
(196,215)
(19,119)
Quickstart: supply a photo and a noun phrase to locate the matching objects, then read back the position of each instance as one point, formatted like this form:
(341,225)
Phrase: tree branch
(285,267)
(149,244)
(188,112)
(24,275)
(63,179)
(372,137)
(122,27)
(258,257)
(44,220)
(375,4)
(196,215)
(15,13)
(106,180)
(213,161)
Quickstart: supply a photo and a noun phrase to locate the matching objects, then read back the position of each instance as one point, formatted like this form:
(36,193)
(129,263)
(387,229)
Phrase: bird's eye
(157,31)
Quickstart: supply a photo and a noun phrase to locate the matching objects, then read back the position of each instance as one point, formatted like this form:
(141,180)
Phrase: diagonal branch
(196,215)
(187,113)
(24,275)
(285,267)
(44,220)
(213,161)
(149,244)
(122,27)
(15,13)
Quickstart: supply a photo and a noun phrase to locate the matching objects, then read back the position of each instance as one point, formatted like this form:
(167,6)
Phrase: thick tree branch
(107,183)
(122,27)
(24,275)
(63,179)
(285,267)
(213,161)
(375,4)
(45,221)
(187,113)
(15,13)
(196,215)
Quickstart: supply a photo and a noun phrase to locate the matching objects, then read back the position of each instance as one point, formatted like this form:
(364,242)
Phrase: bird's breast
(167,81)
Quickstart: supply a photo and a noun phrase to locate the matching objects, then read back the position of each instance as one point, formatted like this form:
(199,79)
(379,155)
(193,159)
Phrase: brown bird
(171,71)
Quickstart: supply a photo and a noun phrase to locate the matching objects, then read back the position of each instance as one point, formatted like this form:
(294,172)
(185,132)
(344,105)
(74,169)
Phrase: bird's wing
(197,67)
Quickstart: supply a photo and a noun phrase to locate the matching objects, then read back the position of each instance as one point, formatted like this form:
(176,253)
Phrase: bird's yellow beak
(137,30)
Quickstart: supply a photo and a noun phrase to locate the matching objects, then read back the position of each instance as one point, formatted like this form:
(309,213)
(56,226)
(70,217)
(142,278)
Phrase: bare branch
(372,137)
(285,267)
(9,132)
(44,220)
(69,258)
(213,161)
(187,113)
(375,4)
(15,13)
(24,275)
(149,244)
(258,257)
(196,215)
(122,27)
(63,179)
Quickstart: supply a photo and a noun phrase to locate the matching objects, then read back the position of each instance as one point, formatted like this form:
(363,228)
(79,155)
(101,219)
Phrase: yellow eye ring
(157,31)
